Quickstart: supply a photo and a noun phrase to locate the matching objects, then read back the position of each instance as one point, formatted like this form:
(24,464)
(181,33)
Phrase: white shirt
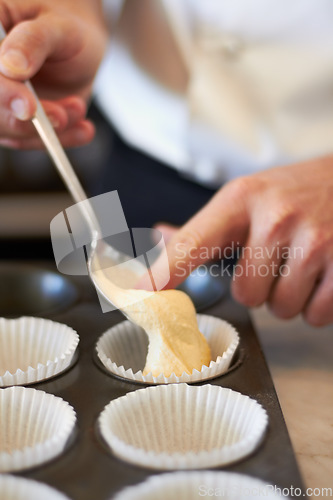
(260,93)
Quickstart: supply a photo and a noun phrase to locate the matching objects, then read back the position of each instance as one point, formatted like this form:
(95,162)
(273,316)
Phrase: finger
(12,128)
(16,103)
(153,279)
(56,114)
(259,266)
(319,310)
(167,231)
(223,220)
(298,277)
(30,43)
(17,108)
(255,272)
(65,113)
(80,135)
(75,108)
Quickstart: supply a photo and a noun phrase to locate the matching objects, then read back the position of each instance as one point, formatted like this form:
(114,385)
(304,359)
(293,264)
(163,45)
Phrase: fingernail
(20,109)
(15,60)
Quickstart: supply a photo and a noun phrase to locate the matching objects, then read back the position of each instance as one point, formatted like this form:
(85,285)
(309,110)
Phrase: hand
(58,45)
(281,220)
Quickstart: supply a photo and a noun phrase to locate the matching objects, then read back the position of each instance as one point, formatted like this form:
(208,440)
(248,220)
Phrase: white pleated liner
(178,426)
(198,484)
(33,349)
(18,488)
(123,350)
(35,427)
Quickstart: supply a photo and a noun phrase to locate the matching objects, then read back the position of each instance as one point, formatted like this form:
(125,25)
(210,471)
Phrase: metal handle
(60,159)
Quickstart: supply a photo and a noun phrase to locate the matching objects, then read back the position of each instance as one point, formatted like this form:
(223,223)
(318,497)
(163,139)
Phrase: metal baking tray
(87,470)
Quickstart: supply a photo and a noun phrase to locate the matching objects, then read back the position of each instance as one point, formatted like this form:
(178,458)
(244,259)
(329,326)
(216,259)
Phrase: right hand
(58,45)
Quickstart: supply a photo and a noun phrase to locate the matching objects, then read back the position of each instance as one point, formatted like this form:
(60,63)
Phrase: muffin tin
(87,469)
(19,488)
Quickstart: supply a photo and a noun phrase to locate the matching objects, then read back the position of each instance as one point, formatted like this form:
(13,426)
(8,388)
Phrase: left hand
(283,220)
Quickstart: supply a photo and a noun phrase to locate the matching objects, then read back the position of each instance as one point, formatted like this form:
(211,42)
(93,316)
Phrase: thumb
(30,43)
(222,222)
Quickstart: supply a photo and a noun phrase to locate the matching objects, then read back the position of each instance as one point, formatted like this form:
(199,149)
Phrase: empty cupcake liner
(123,350)
(18,488)
(34,349)
(35,427)
(178,426)
(192,485)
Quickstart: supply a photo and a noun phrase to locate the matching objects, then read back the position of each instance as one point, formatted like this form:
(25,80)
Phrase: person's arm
(58,45)
(283,220)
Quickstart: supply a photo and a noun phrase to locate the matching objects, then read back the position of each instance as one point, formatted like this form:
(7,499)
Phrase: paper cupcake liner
(18,488)
(191,485)
(123,350)
(35,427)
(34,349)
(178,426)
